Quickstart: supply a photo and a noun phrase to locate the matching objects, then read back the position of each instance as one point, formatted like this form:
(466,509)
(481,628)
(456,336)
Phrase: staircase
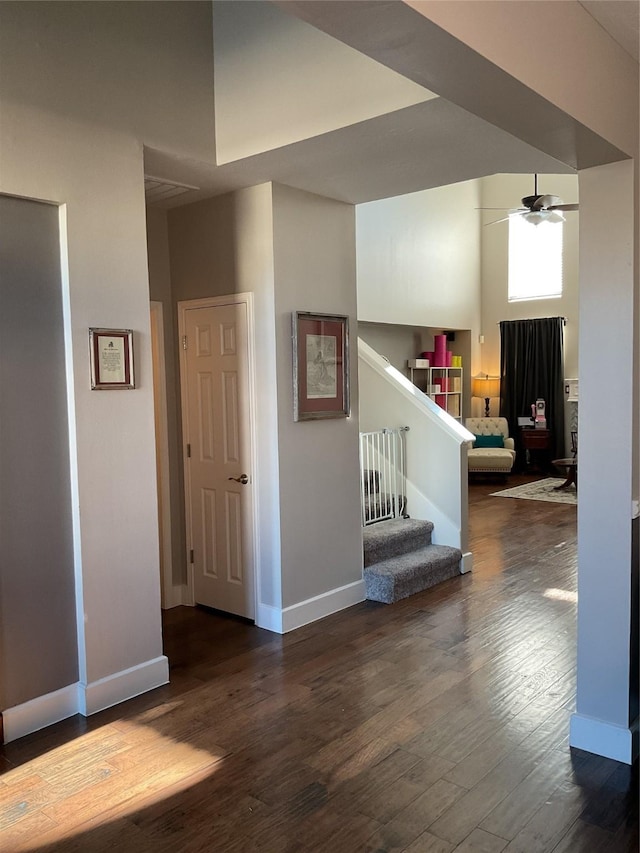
(400,560)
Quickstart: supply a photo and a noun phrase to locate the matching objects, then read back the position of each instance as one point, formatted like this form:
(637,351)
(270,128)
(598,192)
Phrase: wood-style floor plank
(437,724)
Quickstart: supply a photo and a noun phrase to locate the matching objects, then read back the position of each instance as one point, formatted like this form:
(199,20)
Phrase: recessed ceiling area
(363,133)
(279,80)
(420,147)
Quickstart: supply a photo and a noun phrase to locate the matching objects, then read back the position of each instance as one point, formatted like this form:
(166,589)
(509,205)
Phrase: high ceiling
(428,143)
(621,19)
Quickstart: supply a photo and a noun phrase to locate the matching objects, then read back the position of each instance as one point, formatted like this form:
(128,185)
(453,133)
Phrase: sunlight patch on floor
(99,777)
(561,595)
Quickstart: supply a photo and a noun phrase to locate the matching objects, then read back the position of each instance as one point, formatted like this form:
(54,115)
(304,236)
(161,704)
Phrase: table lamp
(486,386)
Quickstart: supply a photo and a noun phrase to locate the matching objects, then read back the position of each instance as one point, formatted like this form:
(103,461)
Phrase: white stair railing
(383,475)
(436,455)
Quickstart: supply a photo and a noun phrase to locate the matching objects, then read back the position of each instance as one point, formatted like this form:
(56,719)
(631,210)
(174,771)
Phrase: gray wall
(220,246)
(315,270)
(419,258)
(293,251)
(605,552)
(38,630)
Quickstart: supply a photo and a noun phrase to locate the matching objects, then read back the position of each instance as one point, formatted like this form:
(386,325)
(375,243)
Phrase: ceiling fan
(537,208)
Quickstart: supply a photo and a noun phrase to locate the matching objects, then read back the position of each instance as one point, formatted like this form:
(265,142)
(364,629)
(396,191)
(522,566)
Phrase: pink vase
(440,350)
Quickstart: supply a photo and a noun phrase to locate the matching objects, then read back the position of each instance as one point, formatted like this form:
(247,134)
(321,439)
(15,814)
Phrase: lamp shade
(486,386)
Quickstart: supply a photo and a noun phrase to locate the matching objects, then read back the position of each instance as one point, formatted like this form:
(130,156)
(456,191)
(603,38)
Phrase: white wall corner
(602,738)
(40,712)
(116,688)
(466,563)
(175,596)
(269,618)
(322,605)
(184,593)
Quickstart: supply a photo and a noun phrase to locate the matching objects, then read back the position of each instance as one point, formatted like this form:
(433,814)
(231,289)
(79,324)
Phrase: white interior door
(216,422)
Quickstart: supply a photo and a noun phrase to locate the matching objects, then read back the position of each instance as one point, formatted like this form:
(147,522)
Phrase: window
(535,258)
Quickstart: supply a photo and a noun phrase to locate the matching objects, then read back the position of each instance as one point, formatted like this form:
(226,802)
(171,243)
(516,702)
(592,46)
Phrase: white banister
(435,451)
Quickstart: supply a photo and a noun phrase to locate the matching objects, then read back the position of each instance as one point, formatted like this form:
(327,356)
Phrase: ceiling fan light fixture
(536,217)
(555,216)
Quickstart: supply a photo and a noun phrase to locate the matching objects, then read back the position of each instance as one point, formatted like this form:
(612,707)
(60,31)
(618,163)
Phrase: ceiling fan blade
(510,209)
(563,207)
(520,211)
(545,202)
(495,221)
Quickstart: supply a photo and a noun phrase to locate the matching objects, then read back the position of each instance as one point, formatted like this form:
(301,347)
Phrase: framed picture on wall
(111,355)
(320,366)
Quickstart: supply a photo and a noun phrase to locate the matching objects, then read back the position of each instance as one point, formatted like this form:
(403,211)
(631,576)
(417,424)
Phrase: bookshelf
(442,384)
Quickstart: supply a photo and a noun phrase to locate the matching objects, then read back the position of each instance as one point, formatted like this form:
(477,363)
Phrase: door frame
(245,298)
(170,595)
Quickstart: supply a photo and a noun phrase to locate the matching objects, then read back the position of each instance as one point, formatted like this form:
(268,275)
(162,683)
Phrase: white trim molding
(186,591)
(171,596)
(123,685)
(269,618)
(83,699)
(466,563)
(322,605)
(603,738)
(40,712)
(289,618)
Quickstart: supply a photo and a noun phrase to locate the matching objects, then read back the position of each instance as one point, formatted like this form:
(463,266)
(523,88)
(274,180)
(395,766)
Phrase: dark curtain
(532,366)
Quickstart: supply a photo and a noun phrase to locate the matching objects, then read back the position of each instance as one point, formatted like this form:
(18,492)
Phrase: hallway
(436,724)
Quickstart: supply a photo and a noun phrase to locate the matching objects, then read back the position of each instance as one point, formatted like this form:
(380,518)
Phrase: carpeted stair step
(400,576)
(388,539)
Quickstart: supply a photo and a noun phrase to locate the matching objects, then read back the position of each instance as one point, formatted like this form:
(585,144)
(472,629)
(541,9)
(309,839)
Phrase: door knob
(243,478)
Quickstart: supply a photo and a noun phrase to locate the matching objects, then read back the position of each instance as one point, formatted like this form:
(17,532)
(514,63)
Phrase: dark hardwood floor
(436,724)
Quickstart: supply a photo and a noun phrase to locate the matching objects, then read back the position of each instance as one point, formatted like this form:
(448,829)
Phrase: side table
(537,446)
(570,464)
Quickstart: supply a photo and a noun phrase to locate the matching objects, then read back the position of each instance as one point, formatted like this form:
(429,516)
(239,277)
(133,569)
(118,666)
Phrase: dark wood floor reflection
(436,724)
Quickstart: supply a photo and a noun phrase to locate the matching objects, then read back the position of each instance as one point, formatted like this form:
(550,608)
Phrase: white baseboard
(40,712)
(297,615)
(466,564)
(269,618)
(83,699)
(322,605)
(602,738)
(116,688)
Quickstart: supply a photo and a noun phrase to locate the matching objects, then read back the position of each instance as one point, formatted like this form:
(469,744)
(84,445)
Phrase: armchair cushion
(489,441)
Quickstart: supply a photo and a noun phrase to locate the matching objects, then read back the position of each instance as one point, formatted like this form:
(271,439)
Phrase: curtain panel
(532,366)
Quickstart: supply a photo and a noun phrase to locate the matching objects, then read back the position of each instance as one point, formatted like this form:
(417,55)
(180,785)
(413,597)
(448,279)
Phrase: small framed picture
(111,354)
(320,366)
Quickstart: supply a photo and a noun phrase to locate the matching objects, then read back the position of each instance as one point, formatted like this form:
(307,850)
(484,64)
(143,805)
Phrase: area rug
(541,490)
